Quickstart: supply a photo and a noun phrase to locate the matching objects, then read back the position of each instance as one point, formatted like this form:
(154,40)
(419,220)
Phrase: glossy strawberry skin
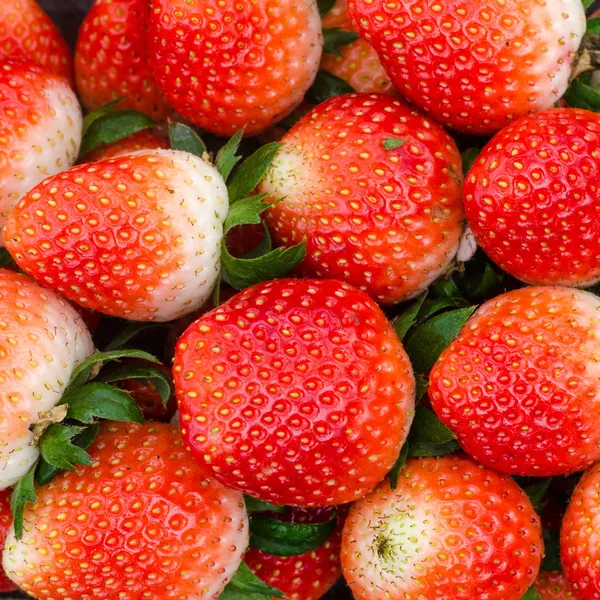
(235,65)
(551,585)
(530,198)
(6,585)
(297,392)
(140,522)
(111,59)
(26,31)
(451,529)
(474,67)
(306,576)
(386,221)
(519,385)
(142,140)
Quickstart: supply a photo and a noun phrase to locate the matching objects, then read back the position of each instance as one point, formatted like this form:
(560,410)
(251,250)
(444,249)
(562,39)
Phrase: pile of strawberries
(292,290)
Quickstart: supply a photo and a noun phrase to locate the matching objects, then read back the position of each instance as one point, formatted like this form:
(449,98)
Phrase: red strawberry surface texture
(6,585)
(519,385)
(531,197)
(553,585)
(296,392)
(475,66)
(139,522)
(136,237)
(375,190)
(227,65)
(142,140)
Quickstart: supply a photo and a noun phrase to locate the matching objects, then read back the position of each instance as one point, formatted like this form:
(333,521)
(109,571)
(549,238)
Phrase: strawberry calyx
(245,584)
(336,38)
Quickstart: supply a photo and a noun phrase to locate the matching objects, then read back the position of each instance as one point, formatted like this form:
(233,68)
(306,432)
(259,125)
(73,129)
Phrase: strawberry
(136,237)
(27,32)
(337,17)
(6,585)
(140,522)
(142,140)
(471,66)
(578,538)
(296,392)
(235,64)
(375,190)
(305,576)
(531,198)
(519,385)
(42,340)
(553,585)
(40,129)
(451,529)
(111,59)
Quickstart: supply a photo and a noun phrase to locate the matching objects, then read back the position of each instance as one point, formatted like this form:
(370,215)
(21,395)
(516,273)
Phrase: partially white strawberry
(40,129)
(42,340)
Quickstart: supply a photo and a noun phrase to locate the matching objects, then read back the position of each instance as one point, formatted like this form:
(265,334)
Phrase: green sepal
(245,585)
(227,158)
(336,38)
(394,474)
(58,450)
(23,494)
(249,174)
(325,86)
(185,139)
(161,382)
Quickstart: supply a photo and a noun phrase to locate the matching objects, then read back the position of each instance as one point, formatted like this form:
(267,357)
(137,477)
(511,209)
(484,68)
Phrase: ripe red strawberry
(42,340)
(531,198)
(306,576)
(552,585)
(26,31)
(471,66)
(337,16)
(136,237)
(140,522)
(111,59)
(40,129)
(451,530)
(578,538)
(142,140)
(375,190)
(235,64)
(296,392)
(519,385)
(6,585)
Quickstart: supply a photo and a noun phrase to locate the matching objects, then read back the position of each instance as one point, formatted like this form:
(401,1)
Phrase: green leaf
(428,428)
(23,494)
(537,491)
(82,373)
(280,538)
(551,560)
(161,382)
(184,138)
(434,306)
(246,212)
(249,174)
(325,86)
(394,474)
(256,505)
(58,449)
(113,127)
(393,143)
(131,331)
(325,6)
(335,38)
(99,113)
(481,282)
(429,340)
(47,472)
(423,449)
(421,386)
(580,95)
(227,157)
(445,288)
(6,260)
(245,585)
(469,157)
(405,320)
(102,401)
(587,3)
(530,594)
(241,273)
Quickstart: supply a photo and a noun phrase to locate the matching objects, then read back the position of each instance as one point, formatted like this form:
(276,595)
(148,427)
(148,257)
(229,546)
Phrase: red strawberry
(111,59)
(579,548)
(475,67)
(40,129)
(519,386)
(531,198)
(296,392)
(6,585)
(553,586)
(337,16)
(140,522)
(306,576)
(375,189)
(26,31)
(451,529)
(142,140)
(235,64)
(136,237)
(42,340)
